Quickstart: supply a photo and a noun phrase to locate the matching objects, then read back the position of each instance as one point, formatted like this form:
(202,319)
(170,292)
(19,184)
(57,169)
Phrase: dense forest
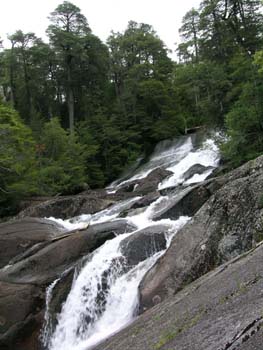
(75,112)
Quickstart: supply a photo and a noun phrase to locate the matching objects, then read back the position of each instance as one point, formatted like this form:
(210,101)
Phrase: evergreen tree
(82,62)
(189,49)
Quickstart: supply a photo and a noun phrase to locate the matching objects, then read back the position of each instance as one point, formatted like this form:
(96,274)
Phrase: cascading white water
(207,155)
(103,298)
(167,153)
(105,215)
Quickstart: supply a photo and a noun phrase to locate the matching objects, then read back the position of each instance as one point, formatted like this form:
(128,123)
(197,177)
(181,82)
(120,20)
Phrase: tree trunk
(70,101)
(12,79)
(29,99)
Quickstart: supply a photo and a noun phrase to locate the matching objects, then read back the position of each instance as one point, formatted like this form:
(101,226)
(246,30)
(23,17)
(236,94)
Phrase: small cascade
(87,299)
(108,214)
(104,295)
(47,329)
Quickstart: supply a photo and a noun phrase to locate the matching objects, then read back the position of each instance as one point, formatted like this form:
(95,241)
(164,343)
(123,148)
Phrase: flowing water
(104,295)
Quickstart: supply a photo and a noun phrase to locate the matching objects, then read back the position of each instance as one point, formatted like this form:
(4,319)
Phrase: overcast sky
(103,16)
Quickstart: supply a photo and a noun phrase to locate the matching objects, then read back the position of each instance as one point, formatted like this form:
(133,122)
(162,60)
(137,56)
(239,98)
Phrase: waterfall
(104,295)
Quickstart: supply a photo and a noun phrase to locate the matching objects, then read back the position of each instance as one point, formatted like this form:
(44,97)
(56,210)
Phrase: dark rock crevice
(244,335)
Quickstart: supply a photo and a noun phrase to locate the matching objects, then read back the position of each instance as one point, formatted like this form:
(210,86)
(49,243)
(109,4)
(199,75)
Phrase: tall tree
(190,34)
(21,43)
(245,21)
(228,26)
(67,28)
(216,39)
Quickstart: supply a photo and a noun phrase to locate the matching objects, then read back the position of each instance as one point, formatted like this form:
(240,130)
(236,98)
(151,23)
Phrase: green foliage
(16,159)
(93,168)
(141,71)
(117,146)
(60,161)
(54,164)
(245,126)
(200,91)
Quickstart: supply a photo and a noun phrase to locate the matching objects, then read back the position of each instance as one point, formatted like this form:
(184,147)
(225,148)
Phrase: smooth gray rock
(49,262)
(68,206)
(21,236)
(117,227)
(146,200)
(20,316)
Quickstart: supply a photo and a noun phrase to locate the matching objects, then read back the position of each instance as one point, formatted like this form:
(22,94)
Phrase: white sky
(102,15)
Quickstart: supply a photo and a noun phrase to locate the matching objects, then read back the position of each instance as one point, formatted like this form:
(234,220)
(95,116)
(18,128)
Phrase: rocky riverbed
(204,292)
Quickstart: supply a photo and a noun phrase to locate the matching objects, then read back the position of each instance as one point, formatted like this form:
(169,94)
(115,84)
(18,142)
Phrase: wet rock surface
(144,244)
(151,182)
(59,296)
(146,200)
(196,169)
(146,185)
(186,203)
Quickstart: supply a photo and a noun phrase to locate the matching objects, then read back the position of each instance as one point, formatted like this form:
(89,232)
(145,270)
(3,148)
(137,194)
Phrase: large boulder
(221,310)
(228,224)
(146,185)
(140,205)
(25,236)
(187,201)
(143,244)
(48,263)
(196,169)
(115,227)
(151,182)
(146,200)
(68,206)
